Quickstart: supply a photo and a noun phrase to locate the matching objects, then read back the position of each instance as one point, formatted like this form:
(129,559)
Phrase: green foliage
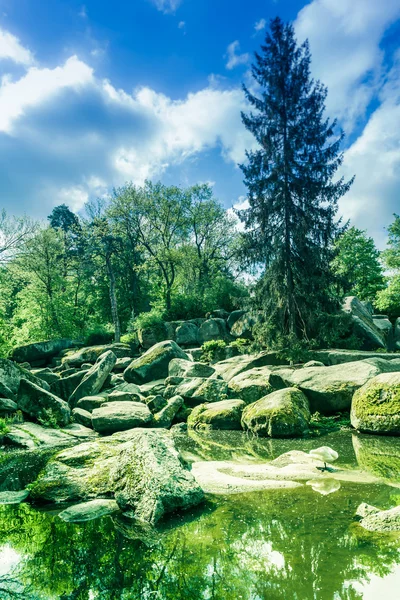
(4,427)
(152,319)
(100,334)
(48,419)
(241,345)
(321,425)
(388,300)
(357,265)
(213,350)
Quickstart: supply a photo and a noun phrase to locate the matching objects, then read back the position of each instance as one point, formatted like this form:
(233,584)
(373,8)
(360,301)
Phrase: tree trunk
(113,299)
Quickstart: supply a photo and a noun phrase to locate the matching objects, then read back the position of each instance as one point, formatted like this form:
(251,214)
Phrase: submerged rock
(379,455)
(141,468)
(120,416)
(87,511)
(153,364)
(284,413)
(42,405)
(376,405)
(225,415)
(383,521)
(94,379)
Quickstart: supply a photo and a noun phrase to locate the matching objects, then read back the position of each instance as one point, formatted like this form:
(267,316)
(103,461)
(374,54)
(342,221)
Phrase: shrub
(241,345)
(321,425)
(101,334)
(131,339)
(48,419)
(213,350)
(4,427)
(152,319)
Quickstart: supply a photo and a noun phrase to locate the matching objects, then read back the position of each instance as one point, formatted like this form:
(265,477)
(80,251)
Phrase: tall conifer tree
(292,194)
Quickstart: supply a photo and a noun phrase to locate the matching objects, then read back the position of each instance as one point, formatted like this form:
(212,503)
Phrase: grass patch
(321,425)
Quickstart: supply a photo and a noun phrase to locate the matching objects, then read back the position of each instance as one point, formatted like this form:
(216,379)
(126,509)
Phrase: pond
(280,544)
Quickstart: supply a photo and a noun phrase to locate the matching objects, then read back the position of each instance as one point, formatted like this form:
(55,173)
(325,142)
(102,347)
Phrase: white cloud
(344,39)
(12,49)
(181,25)
(260,25)
(37,86)
(234,59)
(166,6)
(83,12)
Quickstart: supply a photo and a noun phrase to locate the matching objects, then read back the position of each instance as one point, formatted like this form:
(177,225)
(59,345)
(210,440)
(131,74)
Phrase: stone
(231,367)
(187,334)
(375,407)
(89,403)
(91,353)
(12,374)
(199,390)
(363,324)
(140,468)
(243,327)
(385,327)
(330,389)
(46,375)
(39,351)
(284,413)
(7,406)
(13,497)
(219,313)
(87,511)
(120,396)
(212,329)
(32,435)
(152,388)
(152,335)
(120,416)
(122,364)
(83,417)
(379,520)
(166,415)
(233,317)
(313,363)
(42,405)
(156,403)
(94,379)
(225,414)
(64,387)
(179,367)
(338,357)
(153,364)
(251,385)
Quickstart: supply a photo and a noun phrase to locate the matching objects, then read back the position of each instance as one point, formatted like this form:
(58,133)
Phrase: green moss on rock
(376,405)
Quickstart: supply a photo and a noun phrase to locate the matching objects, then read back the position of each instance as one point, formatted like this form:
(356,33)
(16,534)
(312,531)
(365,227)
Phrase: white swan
(324,454)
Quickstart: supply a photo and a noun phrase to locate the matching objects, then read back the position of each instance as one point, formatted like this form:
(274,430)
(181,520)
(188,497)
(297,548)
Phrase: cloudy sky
(95,94)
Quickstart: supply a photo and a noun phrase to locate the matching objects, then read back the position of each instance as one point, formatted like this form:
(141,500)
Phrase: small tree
(292,193)
(388,300)
(357,265)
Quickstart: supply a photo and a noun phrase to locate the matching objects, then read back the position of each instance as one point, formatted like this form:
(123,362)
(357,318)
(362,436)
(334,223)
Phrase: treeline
(144,254)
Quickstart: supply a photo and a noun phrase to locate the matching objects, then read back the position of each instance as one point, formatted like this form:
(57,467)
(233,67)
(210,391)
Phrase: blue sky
(94,94)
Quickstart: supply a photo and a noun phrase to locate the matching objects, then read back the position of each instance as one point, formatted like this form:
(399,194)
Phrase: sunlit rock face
(375,407)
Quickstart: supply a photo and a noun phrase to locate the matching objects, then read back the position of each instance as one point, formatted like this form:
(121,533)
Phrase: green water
(288,544)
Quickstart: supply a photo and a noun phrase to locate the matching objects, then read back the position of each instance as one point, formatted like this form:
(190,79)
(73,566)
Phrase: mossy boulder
(166,415)
(187,334)
(243,327)
(284,413)
(40,351)
(94,379)
(251,385)
(120,416)
(186,368)
(91,353)
(153,364)
(42,405)
(225,415)
(376,405)
(140,468)
(212,329)
(363,325)
(32,435)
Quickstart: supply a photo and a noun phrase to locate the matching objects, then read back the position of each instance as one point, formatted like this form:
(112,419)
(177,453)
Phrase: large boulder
(187,334)
(373,519)
(11,375)
(29,436)
(330,389)
(384,325)
(46,375)
(243,327)
(212,329)
(186,368)
(7,406)
(152,335)
(284,413)
(140,468)
(364,327)
(153,364)
(376,405)
(338,357)
(42,405)
(251,385)
(92,353)
(64,386)
(199,390)
(233,317)
(95,378)
(40,351)
(81,416)
(225,414)
(120,416)
(231,367)
(166,415)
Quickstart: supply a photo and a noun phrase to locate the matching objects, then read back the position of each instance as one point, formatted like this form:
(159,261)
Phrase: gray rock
(187,334)
(243,327)
(338,357)
(64,387)
(120,416)
(152,388)
(200,390)
(153,364)
(233,317)
(83,417)
(374,519)
(231,367)
(284,413)
(13,497)
(40,350)
(251,385)
(92,353)
(122,364)
(152,336)
(46,375)
(397,334)
(87,511)
(41,404)
(179,367)
(7,406)
(167,414)
(212,329)
(32,435)
(89,403)
(364,325)
(94,379)
(385,327)
(11,375)
(156,403)
(225,414)
(313,363)
(120,396)
(375,407)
